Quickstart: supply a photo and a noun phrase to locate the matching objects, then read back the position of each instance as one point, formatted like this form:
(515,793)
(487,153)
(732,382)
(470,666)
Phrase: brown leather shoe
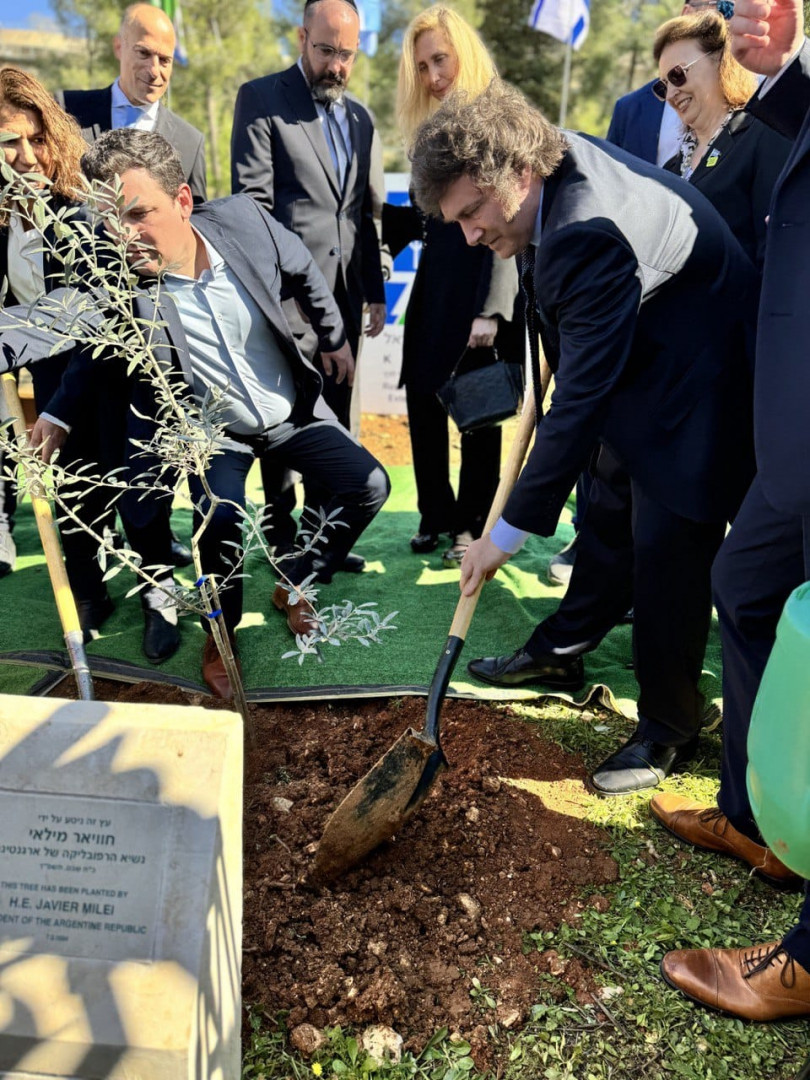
(300,616)
(758,983)
(708,828)
(213,669)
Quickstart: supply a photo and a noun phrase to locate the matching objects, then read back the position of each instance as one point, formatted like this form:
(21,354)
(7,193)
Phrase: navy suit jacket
(636,123)
(280,157)
(92,110)
(782,378)
(644,321)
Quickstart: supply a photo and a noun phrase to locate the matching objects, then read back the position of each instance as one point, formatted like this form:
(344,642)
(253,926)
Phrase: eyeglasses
(675,77)
(327,53)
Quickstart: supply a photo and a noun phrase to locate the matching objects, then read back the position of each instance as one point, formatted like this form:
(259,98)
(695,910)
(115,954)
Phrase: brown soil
(388,438)
(399,940)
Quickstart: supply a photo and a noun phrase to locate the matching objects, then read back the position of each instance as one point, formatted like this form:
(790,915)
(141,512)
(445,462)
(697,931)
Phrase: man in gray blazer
(301,146)
(144,46)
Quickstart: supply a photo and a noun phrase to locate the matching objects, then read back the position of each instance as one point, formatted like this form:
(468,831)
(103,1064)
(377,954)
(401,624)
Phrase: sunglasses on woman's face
(675,77)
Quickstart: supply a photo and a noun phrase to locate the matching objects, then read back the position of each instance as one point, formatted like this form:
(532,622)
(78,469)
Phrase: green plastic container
(779,740)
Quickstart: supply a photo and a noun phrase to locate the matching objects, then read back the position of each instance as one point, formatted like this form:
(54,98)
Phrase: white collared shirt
(26,272)
(121,107)
(670,135)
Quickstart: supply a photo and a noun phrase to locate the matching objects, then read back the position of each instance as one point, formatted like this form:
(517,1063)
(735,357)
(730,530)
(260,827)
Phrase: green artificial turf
(422,593)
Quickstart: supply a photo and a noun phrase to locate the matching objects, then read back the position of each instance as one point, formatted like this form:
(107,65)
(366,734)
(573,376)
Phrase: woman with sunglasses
(732,157)
(462,297)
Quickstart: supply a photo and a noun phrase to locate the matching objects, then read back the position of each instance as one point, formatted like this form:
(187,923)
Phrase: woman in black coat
(729,155)
(462,297)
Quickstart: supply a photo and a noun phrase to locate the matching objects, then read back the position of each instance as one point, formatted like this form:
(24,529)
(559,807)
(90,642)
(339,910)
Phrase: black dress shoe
(161,639)
(639,764)
(92,613)
(422,543)
(521,669)
(353,563)
(181,555)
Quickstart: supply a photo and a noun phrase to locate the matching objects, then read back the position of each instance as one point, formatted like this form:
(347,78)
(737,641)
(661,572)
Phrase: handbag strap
(469,349)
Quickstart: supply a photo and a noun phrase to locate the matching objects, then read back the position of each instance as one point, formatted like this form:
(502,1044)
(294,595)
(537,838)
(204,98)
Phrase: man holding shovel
(610,290)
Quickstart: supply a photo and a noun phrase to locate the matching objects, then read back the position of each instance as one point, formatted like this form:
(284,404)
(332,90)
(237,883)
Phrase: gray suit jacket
(279,156)
(92,111)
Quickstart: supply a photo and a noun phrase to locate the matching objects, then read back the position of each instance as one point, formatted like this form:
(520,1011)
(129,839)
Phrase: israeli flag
(370,21)
(565,20)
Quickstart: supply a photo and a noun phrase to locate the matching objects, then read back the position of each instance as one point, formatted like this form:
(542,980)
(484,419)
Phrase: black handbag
(485,396)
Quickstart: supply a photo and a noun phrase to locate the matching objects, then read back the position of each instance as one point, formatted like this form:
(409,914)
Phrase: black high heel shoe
(422,543)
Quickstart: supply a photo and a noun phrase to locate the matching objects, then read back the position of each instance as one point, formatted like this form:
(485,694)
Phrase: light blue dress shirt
(126,115)
(232,347)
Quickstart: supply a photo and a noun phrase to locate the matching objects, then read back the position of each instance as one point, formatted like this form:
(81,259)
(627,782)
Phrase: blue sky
(15,15)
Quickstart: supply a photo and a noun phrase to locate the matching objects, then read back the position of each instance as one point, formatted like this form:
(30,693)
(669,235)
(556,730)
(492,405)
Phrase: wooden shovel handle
(514,463)
(65,604)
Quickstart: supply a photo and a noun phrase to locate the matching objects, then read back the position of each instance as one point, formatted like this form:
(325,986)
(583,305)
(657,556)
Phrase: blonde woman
(462,297)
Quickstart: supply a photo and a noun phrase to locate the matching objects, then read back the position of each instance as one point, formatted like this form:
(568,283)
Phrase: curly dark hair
(63,137)
(491,138)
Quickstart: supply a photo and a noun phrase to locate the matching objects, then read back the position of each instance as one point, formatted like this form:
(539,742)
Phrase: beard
(326,87)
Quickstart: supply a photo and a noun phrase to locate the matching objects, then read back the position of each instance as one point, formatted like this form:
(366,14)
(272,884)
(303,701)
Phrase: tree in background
(616,56)
(229,43)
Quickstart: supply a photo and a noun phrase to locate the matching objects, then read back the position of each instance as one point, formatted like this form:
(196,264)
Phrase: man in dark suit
(144,47)
(302,147)
(611,289)
(767,553)
(221,302)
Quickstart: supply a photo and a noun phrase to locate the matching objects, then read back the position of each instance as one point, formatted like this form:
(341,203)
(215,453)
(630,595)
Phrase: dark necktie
(526,265)
(337,144)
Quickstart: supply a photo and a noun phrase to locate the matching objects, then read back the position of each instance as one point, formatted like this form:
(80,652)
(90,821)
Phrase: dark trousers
(763,559)
(321,451)
(439,508)
(278,481)
(660,564)
(146,521)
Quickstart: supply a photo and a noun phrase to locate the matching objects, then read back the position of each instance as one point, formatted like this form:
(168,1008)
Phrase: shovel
(393,790)
(65,604)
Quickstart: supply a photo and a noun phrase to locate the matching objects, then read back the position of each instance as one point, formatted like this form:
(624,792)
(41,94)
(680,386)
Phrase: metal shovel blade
(378,805)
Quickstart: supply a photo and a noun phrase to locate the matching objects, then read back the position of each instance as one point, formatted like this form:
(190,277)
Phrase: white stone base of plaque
(120,891)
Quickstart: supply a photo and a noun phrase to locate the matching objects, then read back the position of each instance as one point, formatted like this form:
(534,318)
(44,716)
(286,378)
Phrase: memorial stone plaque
(120,891)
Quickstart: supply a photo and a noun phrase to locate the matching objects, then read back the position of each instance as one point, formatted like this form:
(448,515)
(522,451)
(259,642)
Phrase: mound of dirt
(399,940)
